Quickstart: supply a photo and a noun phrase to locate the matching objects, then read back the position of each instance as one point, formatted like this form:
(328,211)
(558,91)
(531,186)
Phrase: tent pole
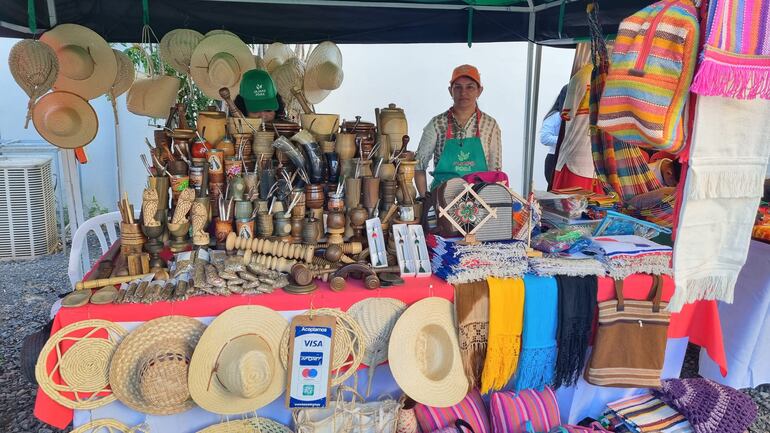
(531,141)
(525,177)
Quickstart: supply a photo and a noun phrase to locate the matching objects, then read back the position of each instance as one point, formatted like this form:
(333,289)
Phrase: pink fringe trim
(716,78)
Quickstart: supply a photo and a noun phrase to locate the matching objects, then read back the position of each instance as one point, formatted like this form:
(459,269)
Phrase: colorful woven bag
(652,66)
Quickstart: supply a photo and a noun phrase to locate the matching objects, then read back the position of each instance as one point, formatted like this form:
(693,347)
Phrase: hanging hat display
(424,354)
(176,48)
(236,367)
(148,372)
(276,55)
(323,72)
(219,61)
(87,66)
(65,120)
(288,76)
(34,67)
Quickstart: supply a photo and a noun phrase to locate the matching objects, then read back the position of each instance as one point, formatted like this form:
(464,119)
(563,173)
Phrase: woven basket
(83,367)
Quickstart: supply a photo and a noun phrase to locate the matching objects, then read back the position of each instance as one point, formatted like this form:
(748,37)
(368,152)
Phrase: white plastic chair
(80,261)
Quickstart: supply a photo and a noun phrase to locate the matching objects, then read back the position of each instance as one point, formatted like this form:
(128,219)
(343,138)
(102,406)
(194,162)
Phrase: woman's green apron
(461,156)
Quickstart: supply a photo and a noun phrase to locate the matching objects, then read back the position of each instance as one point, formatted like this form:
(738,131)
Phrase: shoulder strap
(619,294)
(656,292)
(461,423)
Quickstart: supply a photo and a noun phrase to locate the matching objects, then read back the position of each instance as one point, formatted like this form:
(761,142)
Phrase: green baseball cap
(258,91)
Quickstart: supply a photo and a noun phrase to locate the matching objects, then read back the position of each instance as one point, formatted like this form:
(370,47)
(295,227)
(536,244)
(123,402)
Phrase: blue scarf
(538,342)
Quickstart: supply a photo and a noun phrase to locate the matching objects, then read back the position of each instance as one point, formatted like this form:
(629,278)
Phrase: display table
(746,325)
(575,403)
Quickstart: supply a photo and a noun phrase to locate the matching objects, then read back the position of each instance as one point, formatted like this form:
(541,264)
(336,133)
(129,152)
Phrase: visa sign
(314,343)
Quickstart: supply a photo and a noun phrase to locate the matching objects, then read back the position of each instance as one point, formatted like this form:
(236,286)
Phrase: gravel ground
(29,288)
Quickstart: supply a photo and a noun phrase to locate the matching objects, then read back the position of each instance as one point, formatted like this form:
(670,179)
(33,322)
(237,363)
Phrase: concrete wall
(413,76)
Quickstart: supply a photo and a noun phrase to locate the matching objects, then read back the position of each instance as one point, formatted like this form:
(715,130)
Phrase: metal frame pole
(531,141)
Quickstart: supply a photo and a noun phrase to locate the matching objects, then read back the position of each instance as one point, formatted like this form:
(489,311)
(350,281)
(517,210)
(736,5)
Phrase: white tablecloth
(746,325)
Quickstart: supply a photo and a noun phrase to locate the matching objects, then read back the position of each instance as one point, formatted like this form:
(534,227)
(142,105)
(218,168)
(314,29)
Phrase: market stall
(278,250)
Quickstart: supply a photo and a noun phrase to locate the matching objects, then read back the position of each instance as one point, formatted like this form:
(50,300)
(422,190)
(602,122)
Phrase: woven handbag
(354,416)
(630,341)
(499,198)
(652,67)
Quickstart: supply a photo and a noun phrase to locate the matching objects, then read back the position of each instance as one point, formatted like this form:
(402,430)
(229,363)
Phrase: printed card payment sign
(310,351)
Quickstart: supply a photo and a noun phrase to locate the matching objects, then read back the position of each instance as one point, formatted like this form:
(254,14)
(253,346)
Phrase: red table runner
(699,321)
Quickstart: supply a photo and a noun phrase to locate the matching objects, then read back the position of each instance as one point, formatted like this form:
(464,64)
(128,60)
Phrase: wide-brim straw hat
(276,55)
(83,366)
(236,368)
(125,76)
(262,425)
(65,119)
(34,66)
(219,61)
(288,76)
(424,354)
(177,46)
(377,317)
(153,96)
(148,372)
(323,72)
(109,425)
(87,66)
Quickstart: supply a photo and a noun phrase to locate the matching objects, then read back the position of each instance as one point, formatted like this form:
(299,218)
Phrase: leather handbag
(630,342)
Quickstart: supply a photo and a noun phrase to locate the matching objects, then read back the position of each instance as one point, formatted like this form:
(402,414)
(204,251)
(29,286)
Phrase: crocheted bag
(652,66)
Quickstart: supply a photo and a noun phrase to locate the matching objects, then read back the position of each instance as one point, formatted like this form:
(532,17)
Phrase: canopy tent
(342,21)
(551,22)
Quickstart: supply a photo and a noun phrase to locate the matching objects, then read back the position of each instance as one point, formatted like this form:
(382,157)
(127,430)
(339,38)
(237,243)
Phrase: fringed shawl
(538,341)
(577,304)
(736,58)
(506,314)
(472,308)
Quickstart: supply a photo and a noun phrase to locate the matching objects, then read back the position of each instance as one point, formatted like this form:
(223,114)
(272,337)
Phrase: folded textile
(537,361)
(506,314)
(472,312)
(577,305)
(723,186)
(647,413)
(561,264)
(625,255)
(708,406)
(736,57)
(459,264)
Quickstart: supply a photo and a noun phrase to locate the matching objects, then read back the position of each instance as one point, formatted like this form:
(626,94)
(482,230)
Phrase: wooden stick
(84,285)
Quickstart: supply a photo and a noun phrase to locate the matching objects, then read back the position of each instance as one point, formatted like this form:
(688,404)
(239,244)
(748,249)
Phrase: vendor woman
(258,97)
(461,140)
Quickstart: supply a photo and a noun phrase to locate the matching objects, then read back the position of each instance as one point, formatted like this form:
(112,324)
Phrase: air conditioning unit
(27,208)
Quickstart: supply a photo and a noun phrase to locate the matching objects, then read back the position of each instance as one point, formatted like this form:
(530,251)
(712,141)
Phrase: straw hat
(323,72)
(83,367)
(87,66)
(34,67)
(235,367)
(219,32)
(148,372)
(424,355)
(109,425)
(65,119)
(153,96)
(262,425)
(125,75)
(219,61)
(276,55)
(287,76)
(377,317)
(177,46)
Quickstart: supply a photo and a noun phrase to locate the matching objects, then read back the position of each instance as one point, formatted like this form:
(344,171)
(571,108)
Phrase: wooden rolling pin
(92,284)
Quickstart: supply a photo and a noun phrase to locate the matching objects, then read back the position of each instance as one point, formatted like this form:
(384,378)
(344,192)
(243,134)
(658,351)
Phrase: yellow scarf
(506,316)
